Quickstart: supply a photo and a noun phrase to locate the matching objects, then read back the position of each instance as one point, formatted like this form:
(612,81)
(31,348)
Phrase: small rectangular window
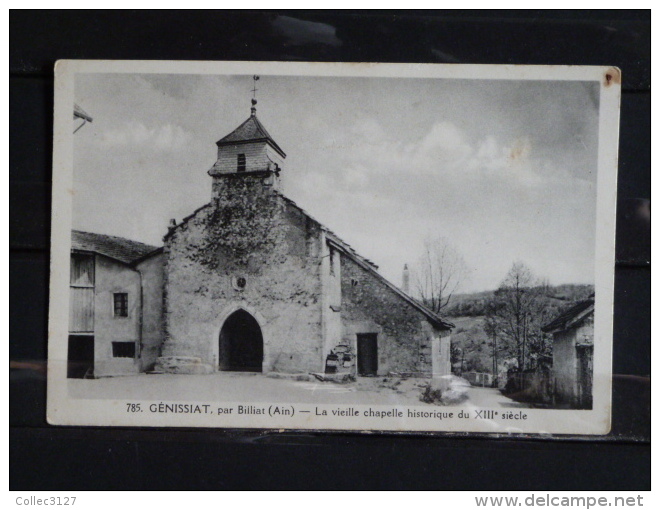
(241,163)
(123,349)
(121,304)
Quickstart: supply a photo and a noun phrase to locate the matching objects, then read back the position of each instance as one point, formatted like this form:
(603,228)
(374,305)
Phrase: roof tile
(562,321)
(250,130)
(117,248)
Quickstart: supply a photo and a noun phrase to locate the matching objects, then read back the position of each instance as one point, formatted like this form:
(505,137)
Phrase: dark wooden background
(65,458)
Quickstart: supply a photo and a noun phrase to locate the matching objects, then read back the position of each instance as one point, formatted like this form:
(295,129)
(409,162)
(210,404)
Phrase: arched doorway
(241,344)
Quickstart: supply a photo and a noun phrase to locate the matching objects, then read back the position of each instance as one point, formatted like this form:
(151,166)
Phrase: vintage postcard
(370,247)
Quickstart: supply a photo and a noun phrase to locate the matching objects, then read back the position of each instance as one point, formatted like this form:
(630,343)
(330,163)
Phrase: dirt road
(244,387)
(490,398)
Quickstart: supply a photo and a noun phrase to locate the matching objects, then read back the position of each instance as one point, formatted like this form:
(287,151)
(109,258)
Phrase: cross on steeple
(254,88)
(254,95)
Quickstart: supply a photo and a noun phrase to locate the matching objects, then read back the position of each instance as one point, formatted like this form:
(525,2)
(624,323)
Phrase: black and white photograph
(333,247)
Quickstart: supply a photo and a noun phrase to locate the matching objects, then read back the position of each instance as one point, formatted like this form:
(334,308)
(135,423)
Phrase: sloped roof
(569,317)
(372,268)
(118,248)
(329,233)
(80,113)
(250,131)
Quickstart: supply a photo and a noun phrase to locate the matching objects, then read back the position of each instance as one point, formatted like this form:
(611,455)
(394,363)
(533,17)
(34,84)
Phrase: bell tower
(248,151)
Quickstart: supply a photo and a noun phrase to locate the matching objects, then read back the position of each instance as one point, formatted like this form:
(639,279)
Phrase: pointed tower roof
(250,131)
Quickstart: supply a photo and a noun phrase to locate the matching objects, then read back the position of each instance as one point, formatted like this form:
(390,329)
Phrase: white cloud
(444,143)
(168,137)
(367,156)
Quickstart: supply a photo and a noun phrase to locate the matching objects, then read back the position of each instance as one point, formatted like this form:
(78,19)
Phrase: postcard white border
(64,410)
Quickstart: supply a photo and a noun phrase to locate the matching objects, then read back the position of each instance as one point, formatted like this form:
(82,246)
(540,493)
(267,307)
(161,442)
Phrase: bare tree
(492,325)
(439,272)
(520,311)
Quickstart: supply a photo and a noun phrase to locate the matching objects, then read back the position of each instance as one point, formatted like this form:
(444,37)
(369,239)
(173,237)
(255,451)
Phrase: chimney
(406,279)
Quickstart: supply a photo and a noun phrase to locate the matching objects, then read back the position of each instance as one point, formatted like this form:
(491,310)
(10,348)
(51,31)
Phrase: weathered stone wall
(153,329)
(565,360)
(331,302)
(111,277)
(585,332)
(248,231)
(564,363)
(370,306)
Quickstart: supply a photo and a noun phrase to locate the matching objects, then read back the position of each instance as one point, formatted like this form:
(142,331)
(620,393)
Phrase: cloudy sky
(504,169)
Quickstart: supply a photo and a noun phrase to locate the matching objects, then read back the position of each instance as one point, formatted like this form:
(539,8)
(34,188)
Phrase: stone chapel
(252,283)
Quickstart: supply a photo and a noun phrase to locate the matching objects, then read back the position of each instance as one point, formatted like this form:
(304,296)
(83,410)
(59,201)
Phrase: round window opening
(239,282)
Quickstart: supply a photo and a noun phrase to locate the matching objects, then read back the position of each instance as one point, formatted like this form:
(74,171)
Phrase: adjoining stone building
(115,306)
(572,353)
(251,282)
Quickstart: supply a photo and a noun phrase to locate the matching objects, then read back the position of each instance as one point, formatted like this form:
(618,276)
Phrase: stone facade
(573,363)
(308,293)
(113,277)
(572,355)
(405,336)
(152,323)
(274,248)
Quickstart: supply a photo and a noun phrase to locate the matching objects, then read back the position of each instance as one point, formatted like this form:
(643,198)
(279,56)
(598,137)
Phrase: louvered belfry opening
(240,163)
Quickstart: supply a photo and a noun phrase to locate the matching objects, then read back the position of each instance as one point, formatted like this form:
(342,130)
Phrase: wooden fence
(483,379)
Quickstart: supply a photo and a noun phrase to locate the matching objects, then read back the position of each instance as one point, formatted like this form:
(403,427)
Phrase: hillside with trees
(503,327)
(495,330)
(475,304)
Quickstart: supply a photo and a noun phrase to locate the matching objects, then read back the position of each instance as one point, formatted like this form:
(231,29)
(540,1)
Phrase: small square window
(121,304)
(123,349)
(241,163)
